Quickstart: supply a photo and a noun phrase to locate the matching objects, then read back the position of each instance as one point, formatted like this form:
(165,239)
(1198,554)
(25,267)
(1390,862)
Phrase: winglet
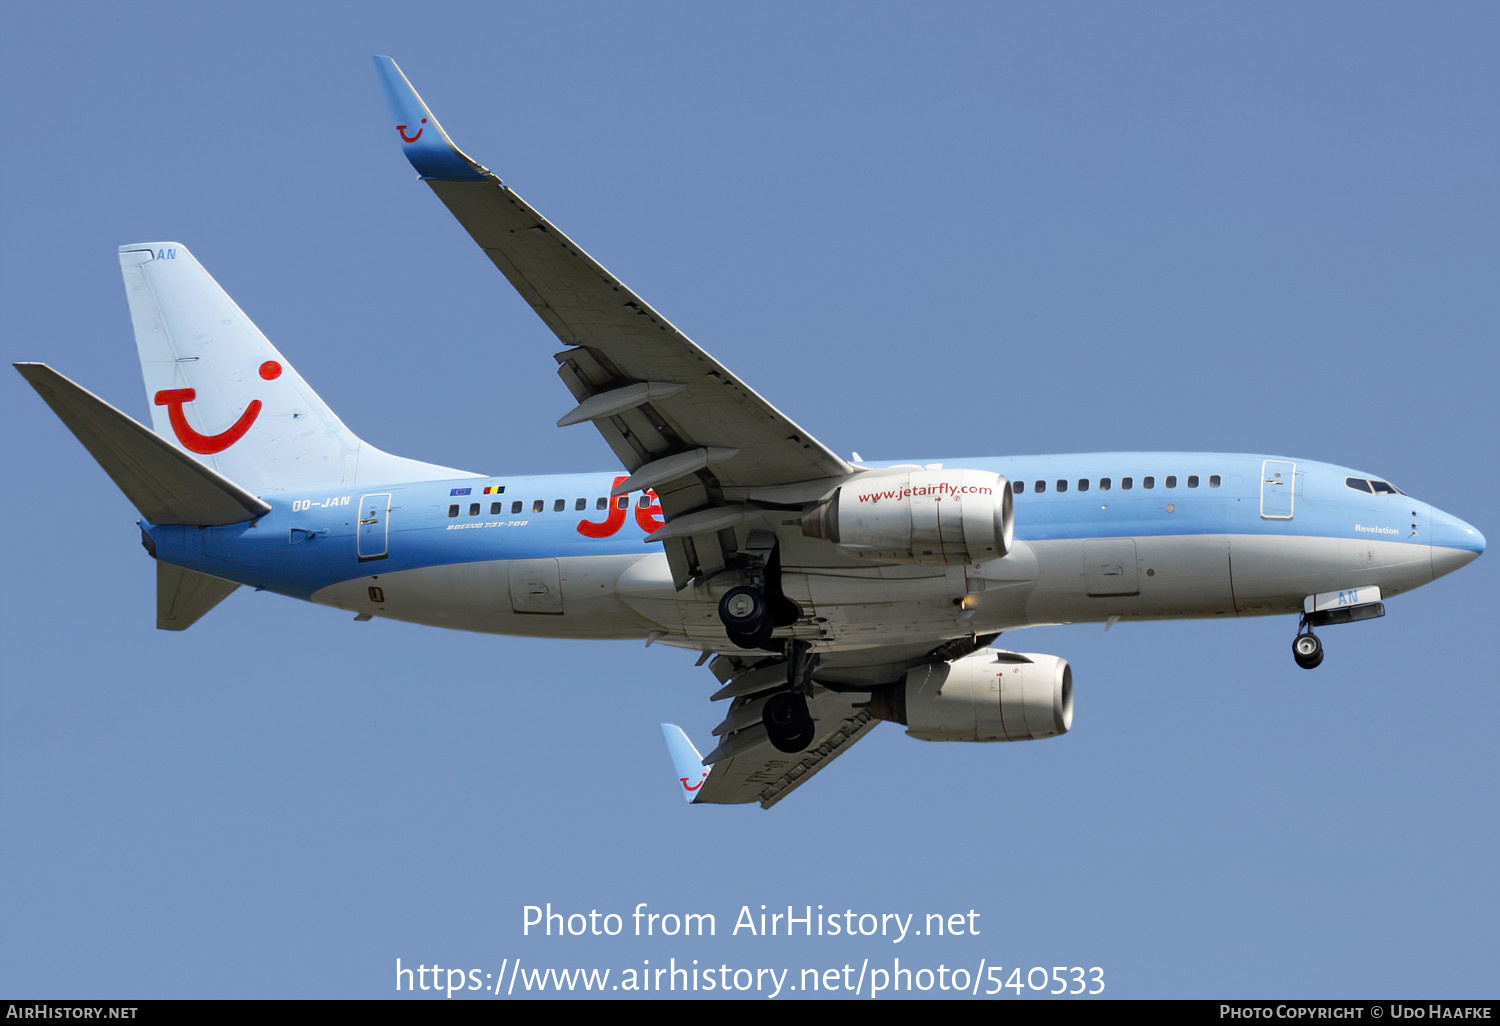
(423,140)
(691,773)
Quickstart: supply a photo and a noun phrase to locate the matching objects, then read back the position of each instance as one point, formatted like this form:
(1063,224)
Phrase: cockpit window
(1374,487)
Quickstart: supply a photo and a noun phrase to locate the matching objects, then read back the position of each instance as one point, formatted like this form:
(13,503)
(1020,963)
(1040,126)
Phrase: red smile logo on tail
(174,399)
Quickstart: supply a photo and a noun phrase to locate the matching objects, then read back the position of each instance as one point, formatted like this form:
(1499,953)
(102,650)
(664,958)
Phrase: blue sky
(925,231)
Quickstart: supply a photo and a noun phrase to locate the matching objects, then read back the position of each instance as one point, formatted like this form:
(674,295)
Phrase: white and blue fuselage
(1098,536)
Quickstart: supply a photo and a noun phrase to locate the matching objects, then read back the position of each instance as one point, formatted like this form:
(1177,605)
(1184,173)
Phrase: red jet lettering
(648,518)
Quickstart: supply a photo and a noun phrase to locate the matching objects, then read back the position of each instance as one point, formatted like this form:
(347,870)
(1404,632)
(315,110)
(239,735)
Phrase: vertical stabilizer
(221,392)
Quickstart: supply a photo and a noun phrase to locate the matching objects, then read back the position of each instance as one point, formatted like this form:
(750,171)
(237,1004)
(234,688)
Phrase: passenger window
(1148,482)
(601,502)
(515,507)
(1041,486)
(623,502)
(1171,480)
(473,509)
(558,505)
(579,504)
(1104,484)
(494,509)
(1017,487)
(453,510)
(1127,483)
(1192,480)
(538,505)
(1062,484)
(1083,484)
(1214,480)
(643,501)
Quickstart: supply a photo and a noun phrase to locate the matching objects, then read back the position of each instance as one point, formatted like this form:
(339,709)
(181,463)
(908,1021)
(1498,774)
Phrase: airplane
(825,595)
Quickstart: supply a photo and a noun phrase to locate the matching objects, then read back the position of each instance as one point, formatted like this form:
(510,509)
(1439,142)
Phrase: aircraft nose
(1454,543)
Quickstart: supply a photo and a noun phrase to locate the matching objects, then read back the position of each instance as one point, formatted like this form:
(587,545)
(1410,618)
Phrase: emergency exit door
(372,538)
(1278,487)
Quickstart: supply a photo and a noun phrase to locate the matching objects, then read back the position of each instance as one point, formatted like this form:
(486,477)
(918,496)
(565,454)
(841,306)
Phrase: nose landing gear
(1307,650)
(1348,606)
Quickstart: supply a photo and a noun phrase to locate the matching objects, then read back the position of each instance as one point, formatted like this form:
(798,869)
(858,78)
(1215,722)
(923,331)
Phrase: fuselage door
(372,540)
(535,586)
(1278,485)
(1109,567)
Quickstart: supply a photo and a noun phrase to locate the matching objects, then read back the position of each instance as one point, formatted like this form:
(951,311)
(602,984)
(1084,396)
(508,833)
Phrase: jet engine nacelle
(985,696)
(918,516)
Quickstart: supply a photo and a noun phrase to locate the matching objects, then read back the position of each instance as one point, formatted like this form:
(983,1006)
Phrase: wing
(744,767)
(680,422)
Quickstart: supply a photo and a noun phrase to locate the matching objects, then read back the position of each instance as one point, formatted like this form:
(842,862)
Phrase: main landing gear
(751,611)
(789,725)
(746,616)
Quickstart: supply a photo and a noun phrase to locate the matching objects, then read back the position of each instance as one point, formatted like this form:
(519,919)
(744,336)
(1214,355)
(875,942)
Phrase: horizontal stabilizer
(166,485)
(183,596)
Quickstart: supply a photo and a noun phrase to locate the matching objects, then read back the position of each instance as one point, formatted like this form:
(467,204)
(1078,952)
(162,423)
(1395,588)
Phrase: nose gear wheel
(1307,649)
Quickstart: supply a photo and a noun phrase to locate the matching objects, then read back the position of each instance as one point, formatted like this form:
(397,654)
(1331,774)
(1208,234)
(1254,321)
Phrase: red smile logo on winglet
(174,399)
(411,138)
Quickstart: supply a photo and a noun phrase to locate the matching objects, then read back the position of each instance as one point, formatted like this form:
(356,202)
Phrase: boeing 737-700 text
(826,595)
